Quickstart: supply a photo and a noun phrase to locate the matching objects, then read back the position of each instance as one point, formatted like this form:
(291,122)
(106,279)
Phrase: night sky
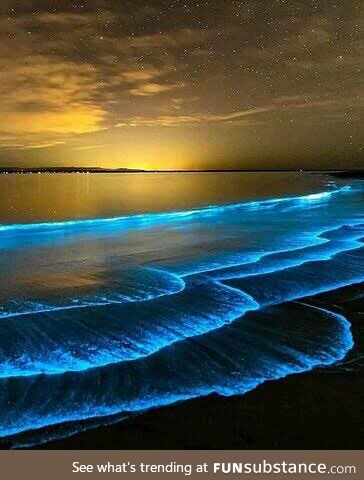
(181,84)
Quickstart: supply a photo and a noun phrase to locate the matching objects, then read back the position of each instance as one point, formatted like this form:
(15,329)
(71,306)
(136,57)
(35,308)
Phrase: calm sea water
(47,197)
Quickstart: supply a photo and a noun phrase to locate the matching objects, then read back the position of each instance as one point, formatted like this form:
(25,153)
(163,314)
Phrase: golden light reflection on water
(44,197)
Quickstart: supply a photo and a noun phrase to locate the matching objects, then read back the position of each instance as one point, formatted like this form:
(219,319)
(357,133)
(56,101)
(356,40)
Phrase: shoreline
(317,409)
(96,170)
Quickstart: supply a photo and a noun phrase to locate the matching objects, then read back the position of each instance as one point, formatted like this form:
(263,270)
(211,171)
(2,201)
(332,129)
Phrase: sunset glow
(175,85)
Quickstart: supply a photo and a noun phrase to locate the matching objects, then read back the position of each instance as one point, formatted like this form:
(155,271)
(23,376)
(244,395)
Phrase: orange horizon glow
(96,86)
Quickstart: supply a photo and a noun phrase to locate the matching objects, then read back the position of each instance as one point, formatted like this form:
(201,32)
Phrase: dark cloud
(70,69)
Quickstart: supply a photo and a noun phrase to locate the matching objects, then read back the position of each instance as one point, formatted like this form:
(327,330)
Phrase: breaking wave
(113,316)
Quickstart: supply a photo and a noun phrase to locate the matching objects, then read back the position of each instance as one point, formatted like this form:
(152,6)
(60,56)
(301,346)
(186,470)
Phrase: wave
(114,316)
(260,346)
(124,286)
(162,217)
(95,336)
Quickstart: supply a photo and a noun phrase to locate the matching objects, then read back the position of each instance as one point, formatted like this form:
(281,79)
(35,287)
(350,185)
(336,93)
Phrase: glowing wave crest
(166,307)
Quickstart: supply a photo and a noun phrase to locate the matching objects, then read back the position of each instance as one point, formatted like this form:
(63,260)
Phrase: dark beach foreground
(320,409)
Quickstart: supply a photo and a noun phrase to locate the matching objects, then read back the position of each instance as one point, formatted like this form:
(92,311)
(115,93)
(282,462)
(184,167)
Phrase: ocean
(122,293)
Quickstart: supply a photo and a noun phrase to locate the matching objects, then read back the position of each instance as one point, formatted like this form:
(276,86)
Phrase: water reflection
(39,198)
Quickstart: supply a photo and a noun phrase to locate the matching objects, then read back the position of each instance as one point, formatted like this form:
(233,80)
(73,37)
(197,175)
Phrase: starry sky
(181,84)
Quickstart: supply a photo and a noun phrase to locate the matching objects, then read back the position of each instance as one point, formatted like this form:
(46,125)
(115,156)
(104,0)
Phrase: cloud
(177,38)
(69,73)
(141,75)
(279,105)
(149,89)
(60,79)
(45,96)
(76,120)
(48,98)
(72,72)
(194,119)
(40,146)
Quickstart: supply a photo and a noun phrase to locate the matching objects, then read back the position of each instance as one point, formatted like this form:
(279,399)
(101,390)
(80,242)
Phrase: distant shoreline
(93,170)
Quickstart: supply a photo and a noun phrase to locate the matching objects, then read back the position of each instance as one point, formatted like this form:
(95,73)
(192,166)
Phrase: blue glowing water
(108,316)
